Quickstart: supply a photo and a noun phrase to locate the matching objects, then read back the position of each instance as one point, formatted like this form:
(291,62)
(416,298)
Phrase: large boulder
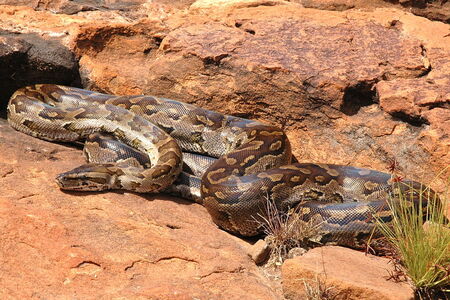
(298,69)
(377,80)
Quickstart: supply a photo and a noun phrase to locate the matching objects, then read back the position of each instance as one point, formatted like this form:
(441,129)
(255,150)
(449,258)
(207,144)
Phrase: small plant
(318,289)
(424,251)
(285,231)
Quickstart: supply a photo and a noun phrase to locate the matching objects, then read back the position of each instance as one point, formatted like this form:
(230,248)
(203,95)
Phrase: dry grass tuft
(318,289)
(285,231)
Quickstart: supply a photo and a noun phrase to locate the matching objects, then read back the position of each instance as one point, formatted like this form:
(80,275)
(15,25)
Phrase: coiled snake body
(235,165)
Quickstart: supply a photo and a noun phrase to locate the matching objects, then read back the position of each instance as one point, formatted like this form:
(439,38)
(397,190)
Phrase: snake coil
(235,164)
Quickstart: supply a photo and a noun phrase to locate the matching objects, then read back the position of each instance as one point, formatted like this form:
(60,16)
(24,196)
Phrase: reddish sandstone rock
(329,4)
(422,95)
(114,244)
(357,87)
(374,79)
(433,10)
(349,274)
(128,8)
(275,63)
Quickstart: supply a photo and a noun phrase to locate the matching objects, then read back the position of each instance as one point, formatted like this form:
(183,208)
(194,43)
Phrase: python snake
(235,165)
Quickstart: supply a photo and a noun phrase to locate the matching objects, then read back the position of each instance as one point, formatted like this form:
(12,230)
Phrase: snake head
(89,177)
(421,196)
(415,192)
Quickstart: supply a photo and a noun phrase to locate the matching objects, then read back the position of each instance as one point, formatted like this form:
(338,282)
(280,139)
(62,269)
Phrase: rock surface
(348,274)
(383,83)
(57,245)
(433,10)
(359,87)
(384,80)
(128,8)
(29,57)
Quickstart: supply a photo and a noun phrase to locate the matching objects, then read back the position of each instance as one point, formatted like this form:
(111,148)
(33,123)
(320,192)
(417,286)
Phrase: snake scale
(232,165)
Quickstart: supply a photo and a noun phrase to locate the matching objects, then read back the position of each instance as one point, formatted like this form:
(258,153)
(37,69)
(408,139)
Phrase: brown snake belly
(252,161)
